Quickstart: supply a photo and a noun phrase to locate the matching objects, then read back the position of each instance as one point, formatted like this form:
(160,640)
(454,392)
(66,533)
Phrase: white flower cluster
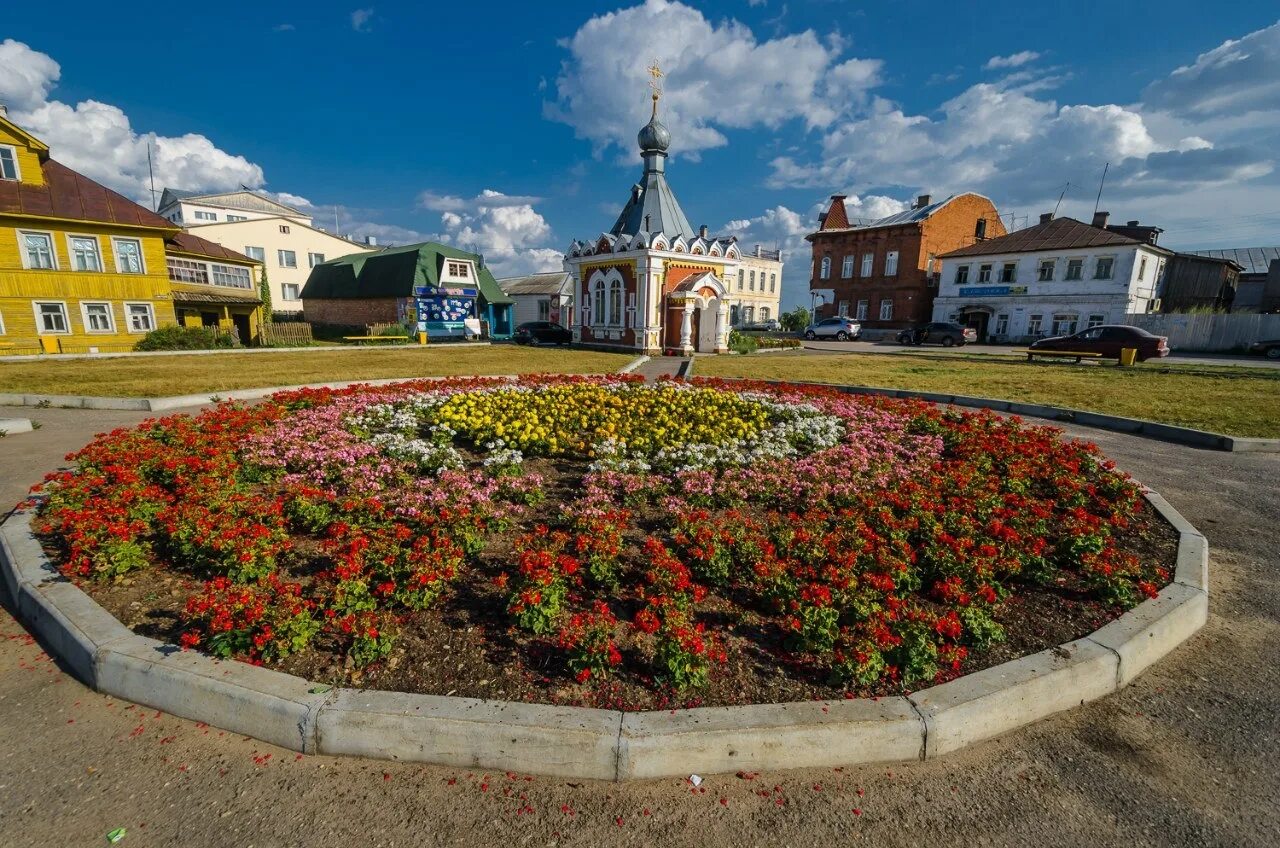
(429,456)
(611,455)
(499,458)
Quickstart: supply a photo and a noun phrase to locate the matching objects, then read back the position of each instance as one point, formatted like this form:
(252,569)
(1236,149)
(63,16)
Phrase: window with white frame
(891,263)
(868,260)
(37,250)
(206,216)
(51,317)
(314,259)
(544,309)
(187,271)
(886,310)
(1035,325)
(1096,321)
(287,258)
(258,253)
(236,276)
(1104,267)
(764,313)
(751,281)
(1075,269)
(742,276)
(128,255)
(459,269)
(1009,272)
(597,303)
(824,268)
(234,218)
(773,283)
(84,252)
(749,314)
(984,273)
(1064,323)
(846,267)
(291,291)
(1044,272)
(861,313)
(1142,269)
(97,317)
(615,303)
(8,162)
(141,317)
(962,274)
(1002,325)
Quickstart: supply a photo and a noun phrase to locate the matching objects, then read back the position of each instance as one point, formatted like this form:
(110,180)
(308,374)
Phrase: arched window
(597,303)
(615,303)
(825,273)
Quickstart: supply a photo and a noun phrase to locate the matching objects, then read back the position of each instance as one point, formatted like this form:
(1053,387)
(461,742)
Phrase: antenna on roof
(1059,203)
(155,207)
(1101,183)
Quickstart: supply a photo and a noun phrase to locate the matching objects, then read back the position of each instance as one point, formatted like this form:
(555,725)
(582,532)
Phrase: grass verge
(160,376)
(1234,401)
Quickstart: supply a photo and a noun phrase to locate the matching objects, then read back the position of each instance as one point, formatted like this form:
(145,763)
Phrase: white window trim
(26,258)
(115,253)
(71,254)
(1053,270)
(891,264)
(2,324)
(17,165)
(846,265)
(84,317)
(128,320)
(1066,269)
(1097,261)
(280,252)
(284,295)
(66,317)
(868,266)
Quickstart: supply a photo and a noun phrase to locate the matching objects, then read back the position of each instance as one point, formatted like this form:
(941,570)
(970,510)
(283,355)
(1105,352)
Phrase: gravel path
(1186,756)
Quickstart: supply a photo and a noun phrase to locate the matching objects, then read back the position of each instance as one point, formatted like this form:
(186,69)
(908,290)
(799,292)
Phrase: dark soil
(466,645)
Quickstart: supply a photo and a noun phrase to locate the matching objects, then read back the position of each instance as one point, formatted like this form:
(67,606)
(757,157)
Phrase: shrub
(185,338)
(740,343)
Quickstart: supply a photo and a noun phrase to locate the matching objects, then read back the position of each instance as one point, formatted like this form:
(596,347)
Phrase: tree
(264,291)
(795,320)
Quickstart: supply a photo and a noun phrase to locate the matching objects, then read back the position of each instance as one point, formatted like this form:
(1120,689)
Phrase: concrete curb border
(633,365)
(600,744)
(11,426)
(123,354)
(1137,426)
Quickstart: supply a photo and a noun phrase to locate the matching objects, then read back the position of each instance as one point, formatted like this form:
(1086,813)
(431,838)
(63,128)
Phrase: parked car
(938,332)
(841,328)
(1109,340)
(1270,348)
(541,332)
(769,326)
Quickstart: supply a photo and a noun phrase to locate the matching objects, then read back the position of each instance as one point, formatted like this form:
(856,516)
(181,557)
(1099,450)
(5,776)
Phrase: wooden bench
(361,339)
(1077,355)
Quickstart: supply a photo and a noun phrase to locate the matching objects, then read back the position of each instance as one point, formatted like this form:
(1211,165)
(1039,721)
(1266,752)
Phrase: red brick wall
(352,313)
(910,289)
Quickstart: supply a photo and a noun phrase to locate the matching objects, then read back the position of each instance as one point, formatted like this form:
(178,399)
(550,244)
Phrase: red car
(1109,340)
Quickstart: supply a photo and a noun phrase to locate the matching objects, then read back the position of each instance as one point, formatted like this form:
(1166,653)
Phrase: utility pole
(1059,203)
(1101,183)
(151,172)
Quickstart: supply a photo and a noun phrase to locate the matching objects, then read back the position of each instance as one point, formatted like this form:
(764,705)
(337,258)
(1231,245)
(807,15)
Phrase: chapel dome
(654,136)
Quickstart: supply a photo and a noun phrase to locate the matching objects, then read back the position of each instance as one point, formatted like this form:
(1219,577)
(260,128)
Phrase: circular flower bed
(602,541)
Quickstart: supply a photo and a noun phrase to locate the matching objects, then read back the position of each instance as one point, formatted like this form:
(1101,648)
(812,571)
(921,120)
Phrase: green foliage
(795,320)
(185,338)
(741,343)
(264,291)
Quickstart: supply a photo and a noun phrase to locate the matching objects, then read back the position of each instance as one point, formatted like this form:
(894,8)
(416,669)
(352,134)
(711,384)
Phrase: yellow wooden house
(83,269)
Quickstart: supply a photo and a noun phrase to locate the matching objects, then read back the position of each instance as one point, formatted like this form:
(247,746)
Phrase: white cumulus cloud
(1015,60)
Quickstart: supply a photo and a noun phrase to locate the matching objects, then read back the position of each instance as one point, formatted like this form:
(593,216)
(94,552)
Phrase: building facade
(1055,278)
(283,239)
(652,283)
(1193,281)
(427,287)
(884,273)
(214,287)
(540,297)
(1258,285)
(756,291)
(82,268)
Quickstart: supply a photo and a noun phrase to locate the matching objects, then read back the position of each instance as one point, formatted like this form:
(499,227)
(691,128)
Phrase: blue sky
(508,127)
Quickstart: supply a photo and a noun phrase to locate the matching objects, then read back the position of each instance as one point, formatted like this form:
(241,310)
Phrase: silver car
(840,328)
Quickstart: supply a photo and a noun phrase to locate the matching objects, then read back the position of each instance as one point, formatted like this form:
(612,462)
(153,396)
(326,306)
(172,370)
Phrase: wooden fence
(1209,331)
(285,334)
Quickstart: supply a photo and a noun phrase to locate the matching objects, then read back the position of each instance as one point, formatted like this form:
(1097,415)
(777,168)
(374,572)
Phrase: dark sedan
(1109,340)
(938,332)
(1270,348)
(541,332)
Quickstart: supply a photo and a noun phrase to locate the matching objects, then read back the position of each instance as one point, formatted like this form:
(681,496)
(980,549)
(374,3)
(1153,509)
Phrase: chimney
(923,200)
(372,241)
(1046,217)
(1132,224)
(1100,219)
(702,231)
(757,250)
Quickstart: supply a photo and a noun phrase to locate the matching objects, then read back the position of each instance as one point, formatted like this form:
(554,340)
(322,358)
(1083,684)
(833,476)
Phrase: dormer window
(8,162)
(458,269)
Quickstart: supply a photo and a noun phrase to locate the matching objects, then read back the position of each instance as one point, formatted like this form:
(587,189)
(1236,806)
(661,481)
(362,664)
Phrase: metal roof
(393,272)
(553,283)
(71,195)
(908,216)
(1058,234)
(1254,260)
(653,208)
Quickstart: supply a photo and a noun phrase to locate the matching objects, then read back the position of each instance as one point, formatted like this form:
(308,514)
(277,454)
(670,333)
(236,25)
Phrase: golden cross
(656,73)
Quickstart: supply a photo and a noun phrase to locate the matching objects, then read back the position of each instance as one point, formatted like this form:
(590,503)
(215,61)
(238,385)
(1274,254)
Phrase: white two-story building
(1055,278)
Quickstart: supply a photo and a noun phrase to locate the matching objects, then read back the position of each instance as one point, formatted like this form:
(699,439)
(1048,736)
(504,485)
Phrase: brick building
(885,272)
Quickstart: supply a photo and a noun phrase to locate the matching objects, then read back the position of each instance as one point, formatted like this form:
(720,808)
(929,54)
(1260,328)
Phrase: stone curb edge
(12,426)
(588,743)
(126,354)
(633,365)
(1152,429)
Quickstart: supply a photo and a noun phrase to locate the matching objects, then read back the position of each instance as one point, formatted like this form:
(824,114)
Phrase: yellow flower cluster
(573,419)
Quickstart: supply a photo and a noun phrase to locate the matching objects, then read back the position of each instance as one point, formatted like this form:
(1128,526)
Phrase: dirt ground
(1185,756)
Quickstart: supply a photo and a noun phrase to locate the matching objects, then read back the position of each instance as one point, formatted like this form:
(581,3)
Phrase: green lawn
(1236,401)
(159,376)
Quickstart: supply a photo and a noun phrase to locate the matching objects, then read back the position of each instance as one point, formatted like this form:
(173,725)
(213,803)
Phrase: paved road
(1186,756)
(1005,350)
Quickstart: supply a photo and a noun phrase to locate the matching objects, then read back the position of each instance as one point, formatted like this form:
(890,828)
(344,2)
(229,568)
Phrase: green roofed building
(431,287)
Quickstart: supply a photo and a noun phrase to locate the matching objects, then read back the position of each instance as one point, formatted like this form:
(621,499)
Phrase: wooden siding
(29,170)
